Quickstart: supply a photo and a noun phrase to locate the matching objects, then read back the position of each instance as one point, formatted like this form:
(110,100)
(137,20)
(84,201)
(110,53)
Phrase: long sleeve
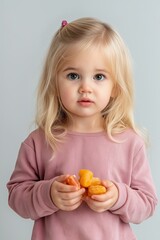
(29,196)
(137,201)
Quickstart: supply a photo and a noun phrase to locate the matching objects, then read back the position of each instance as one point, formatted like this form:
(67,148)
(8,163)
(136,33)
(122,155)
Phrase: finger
(71,207)
(107,183)
(70,202)
(61,178)
(92,204)
(100,198)
(73,195)
(62,187)
(99,206)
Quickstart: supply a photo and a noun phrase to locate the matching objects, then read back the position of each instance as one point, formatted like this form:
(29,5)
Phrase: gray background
(26,28)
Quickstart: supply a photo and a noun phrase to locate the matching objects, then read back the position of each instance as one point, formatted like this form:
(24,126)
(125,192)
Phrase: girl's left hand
(103,202)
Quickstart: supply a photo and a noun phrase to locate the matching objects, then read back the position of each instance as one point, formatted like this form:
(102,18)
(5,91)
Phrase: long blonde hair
(51,117)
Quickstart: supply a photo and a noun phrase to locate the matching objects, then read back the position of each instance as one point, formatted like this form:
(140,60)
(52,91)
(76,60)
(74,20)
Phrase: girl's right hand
(66,197)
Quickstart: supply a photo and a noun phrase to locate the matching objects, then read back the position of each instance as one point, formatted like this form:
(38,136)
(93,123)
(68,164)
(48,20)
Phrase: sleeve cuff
(47,196)
(122,197)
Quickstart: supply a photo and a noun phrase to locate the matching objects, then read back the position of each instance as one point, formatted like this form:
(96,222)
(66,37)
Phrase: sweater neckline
(92,134)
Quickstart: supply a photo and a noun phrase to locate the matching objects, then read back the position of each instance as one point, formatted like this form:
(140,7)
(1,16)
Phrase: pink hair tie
(64,23)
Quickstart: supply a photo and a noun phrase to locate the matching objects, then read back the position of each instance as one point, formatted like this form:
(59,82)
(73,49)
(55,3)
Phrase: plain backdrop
(26,29)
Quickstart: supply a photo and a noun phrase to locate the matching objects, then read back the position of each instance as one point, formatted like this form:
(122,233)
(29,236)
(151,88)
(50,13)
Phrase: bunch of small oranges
(92,184)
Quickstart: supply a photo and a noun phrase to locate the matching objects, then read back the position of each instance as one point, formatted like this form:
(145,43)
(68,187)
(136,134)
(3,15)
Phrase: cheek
(65,97)
(105,97)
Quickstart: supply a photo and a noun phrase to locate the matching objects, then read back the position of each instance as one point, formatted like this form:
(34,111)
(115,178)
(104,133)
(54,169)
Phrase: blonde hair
(84,33)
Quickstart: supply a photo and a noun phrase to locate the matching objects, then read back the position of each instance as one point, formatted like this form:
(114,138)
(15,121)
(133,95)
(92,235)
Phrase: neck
(86,125)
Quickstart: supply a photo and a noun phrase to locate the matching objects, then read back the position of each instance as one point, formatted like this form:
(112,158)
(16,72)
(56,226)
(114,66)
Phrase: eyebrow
(101,70)
(70,69)
(77,69)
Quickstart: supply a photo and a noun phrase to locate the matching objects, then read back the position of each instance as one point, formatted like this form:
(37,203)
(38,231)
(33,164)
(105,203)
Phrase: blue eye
(73,76)
(99,77)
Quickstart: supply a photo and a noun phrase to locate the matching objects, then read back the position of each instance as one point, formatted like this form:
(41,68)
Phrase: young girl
(85,121)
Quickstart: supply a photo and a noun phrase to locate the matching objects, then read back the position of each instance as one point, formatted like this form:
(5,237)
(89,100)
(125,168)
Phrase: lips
(85,102)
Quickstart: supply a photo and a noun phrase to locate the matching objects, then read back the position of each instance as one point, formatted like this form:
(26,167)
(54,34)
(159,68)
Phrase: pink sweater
(124,163)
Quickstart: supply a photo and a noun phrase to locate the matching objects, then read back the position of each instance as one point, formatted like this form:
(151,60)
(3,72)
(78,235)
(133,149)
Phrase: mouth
(85,102)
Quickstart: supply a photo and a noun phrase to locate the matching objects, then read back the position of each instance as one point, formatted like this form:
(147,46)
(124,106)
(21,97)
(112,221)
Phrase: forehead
(84,57)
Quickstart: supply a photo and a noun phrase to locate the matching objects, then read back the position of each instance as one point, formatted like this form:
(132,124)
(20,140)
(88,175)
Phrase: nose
(85,87)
